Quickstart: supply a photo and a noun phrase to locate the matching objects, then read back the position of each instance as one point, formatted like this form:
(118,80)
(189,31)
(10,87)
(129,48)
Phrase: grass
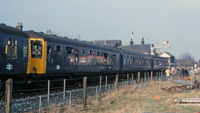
(136,101)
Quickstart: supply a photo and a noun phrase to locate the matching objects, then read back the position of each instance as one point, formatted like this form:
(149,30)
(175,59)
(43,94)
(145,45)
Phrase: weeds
(132,100)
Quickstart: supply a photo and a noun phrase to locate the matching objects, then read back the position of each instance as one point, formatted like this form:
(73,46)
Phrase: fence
(79,96)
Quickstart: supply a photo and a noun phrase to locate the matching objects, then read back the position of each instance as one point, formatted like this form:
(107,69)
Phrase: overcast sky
(177,21)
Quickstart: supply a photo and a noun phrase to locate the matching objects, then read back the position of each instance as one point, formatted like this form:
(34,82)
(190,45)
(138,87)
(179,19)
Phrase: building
(143,48)
(140,48)
(171,58)
(109,43)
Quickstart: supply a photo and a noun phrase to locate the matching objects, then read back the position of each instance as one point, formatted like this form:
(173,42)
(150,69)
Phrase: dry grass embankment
(140,100)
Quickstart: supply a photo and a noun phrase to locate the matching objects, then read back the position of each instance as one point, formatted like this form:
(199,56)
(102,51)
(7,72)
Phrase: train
(36,54)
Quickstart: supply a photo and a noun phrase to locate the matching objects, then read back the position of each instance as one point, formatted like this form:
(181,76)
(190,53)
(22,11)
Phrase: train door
(37,56)
(76,56)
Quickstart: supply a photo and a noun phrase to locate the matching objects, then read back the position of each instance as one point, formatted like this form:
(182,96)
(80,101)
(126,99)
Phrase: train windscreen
(36,49)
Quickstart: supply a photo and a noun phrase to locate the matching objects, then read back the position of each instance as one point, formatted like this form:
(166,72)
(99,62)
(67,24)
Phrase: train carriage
(13,51)
(36,53)
(50,54)
(160,63)
(132,61)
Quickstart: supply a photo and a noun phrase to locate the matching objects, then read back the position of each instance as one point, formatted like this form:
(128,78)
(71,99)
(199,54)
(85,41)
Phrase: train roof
(144,55)
(67,41)
(12,31)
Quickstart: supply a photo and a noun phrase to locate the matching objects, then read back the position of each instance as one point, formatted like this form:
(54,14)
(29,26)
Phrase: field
(135,100)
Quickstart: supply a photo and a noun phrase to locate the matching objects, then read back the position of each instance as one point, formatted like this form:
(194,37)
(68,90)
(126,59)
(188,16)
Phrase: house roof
(145,49)
(110,43)
(168,54)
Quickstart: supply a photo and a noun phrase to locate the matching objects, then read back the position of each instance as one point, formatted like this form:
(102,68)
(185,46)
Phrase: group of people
(182,71)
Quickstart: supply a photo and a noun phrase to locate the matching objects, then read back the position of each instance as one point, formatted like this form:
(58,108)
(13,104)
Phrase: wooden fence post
(64,89)
(172,76)
(48,90)
(70,99)
(151,76)
(84,91)
(106,84)
(138,78)
(127,82)
(127,79)
(116,82)
(100,84)
(8,95)
(145,77)
(40,103)
(157,76)
(132,79)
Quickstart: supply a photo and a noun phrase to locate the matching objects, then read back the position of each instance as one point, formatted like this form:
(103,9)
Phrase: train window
(69,50)
(98,53)
(76,57)
(98,57)
(145,61)
(101,57)
(139,61)
(91,59)
(159,62)
(10,48)
(127,59)
(58,48)
(83,51)
(114,59)
(83,58)
(105,57)
(58,54)
(69,56)
(124,59)
(133,60)
(36,49)
(91,52)
(48,52)
(142,61)
(25,50)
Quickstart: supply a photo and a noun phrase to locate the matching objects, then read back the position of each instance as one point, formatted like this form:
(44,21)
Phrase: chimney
(19,26)
(119,43)
(49,32)
(142,42)
(105,42)
(131,42)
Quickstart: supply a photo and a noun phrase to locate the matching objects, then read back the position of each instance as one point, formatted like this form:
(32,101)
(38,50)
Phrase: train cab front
(37,56)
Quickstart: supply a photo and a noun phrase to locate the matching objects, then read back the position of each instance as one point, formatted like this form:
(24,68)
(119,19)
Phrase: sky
(176,21)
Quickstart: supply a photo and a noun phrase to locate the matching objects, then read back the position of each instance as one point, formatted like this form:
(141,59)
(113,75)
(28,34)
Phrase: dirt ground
(149,99)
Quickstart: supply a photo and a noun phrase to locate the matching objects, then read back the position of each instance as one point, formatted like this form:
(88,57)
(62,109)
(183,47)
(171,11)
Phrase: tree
(187,60)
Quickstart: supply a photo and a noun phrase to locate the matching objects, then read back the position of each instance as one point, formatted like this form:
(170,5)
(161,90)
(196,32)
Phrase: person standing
(192,76)
(180,72)
(183,71)
(175,72)
(167,71)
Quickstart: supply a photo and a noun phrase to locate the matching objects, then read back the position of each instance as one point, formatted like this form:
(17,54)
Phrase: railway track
(38,87)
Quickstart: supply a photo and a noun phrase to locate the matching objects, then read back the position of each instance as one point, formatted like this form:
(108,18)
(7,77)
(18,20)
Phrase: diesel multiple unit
(35,53)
